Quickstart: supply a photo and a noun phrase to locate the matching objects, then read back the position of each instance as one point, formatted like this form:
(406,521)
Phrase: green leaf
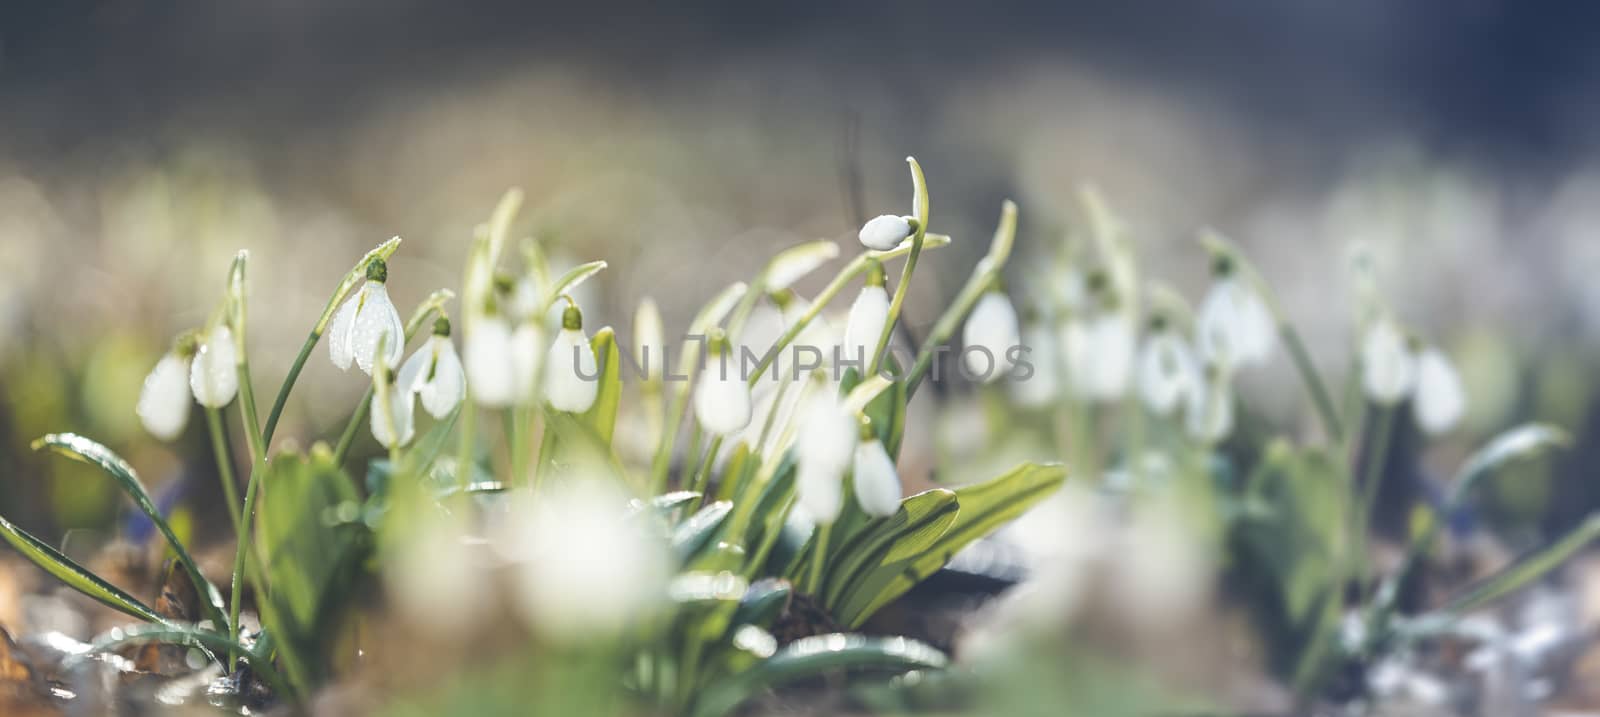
(666,504)
(694,533)
(418,460)
(1518,444)
(812,656)
(88,451)
(74,575)
(188,636)
(602,416)
(570,280)
(1525,570)
(762,603)
(984,507)
(919,193)
(910,533)
(572,448)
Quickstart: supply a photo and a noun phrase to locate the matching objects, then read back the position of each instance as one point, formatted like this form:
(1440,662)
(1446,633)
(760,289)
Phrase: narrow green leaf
(1525,570)
(75,576)
(812,656)
(570,280)
(188,636)
(911,532)
(1518,444)
(693,534)
(795,262)
(602,416)
(919,193)
(88,451)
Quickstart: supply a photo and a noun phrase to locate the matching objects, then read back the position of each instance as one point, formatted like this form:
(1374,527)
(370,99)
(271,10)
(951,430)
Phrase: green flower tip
(782,298)
(378,270)
(717,342)
(571,317)
(503,282)
(441,326)
(1221,264)
(875,273)
(1158,322)
(864,430)
(187,344)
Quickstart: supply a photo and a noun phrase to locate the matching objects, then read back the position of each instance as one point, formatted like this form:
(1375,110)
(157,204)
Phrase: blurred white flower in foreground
(884,232)
(582,570)
(571,375)
(988,337)
(164,401)
(722,400)
(365,318)
(1168,371)
(1209,413)
(1233,324)
(1043,386)
(488,361)
(823,448)
(877,484)
(1102,359)
(437,580)
(649,340)
(1441,399)
(400,418)
(213,376)
(434,373)
(1388,366)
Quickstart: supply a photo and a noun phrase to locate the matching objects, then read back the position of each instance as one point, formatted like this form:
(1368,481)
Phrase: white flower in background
(1168,370)
(434,372)
(1043,386)
(164,401)
(488,361)
(792,264)
(884,232)
(583,571)
(989,336)
(722,400)
(868,315)
(572,377)
(1209,413)
(824,449)
(1441,399)
(1107,357)
(527,349)
(366,317)
(526,299)
(761,330)
(213,375)
(400,418)
(1233,325)
(649,340)
(1388,366)
(877,484)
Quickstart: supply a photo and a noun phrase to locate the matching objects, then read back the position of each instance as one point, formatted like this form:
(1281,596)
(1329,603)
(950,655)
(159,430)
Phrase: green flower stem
(1383,428)
(230,492)
(241,553)
(897,302)
(819,555)
(289,381)
(983,277)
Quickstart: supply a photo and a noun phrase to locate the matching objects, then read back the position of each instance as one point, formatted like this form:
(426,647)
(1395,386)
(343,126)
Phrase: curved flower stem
(230,492)
(919,208)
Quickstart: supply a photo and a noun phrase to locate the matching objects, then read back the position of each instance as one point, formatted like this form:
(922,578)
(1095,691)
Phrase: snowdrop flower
(525,298)
(1440,399)
(212,375)
(1106,357)
(1388,367)
(526,352)
(1209,413)
(989,336)
(824,449)
(488,361)
(572,381)
(885,232)
(722,400)
(1168,370)
(1233,324)
(434,373)
(876,482)
(868,315)
(400,417)
(583,571)
(649,341)
(364,318)
(1043,385)
(164,400)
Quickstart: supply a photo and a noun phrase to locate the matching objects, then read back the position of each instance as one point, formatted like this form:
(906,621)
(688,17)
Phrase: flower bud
(364,319)
(884,232)
(164,400)
(1441,399)
(213,377)
(989,335)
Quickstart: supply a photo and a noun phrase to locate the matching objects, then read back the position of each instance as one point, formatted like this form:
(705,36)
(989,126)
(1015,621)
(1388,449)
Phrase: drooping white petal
(1209,414)
(1388,367)
(212,375)
(1168,372)
(827,434)
(1441,399)
(819,491)
(1109,367)
(526,298)
(876,482)
(761,330)
(884,232)
(488,362)
(722,402)
(989,336)
(376,318)
(1077,349)
(527,350)
(1234,326)
(164,400)
(867,316)
(572,379)
(400,417)
(340,349)
(434,373)
(1041,386)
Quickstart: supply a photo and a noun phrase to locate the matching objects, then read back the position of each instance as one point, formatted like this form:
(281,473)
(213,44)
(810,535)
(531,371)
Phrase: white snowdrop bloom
(572,377)
(761,330)
(366,317)
(649,340)
(526,299)
(868,315)
(526,351)
(164,401)
(488,362)
(877,484)
(722,402)
(434,373)
(988,338)
(1108,357)
(1209,413)
(1168,371)
(213,377)
(1388,367)
(583,571)
(1233,325)
(884,232)
(824,449)
(1042,385)
(1441,400)
(401,418)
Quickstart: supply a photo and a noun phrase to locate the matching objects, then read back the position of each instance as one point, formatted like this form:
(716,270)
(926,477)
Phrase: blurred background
(142,144)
